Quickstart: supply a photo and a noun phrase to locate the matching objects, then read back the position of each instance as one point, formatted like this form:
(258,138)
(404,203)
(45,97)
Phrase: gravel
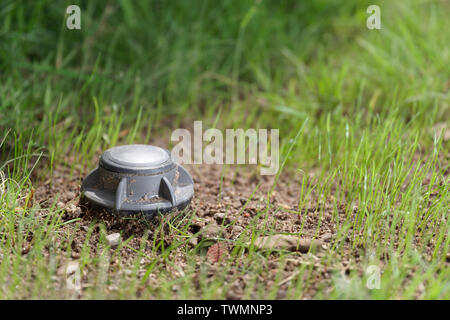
(113,239)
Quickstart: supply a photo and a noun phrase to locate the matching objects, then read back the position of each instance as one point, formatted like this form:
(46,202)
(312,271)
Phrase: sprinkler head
(138,178)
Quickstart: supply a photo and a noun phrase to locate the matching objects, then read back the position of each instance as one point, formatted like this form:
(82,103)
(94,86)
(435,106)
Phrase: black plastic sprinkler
(138,178)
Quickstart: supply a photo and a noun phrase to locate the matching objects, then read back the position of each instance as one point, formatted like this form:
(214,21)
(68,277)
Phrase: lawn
(363,118)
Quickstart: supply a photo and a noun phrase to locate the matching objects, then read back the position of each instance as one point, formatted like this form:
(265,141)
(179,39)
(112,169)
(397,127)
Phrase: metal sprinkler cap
(138,178)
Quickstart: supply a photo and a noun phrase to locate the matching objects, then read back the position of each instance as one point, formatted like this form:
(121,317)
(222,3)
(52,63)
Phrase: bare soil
(228,202)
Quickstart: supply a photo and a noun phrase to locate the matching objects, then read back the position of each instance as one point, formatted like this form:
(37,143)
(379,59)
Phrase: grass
(359,113)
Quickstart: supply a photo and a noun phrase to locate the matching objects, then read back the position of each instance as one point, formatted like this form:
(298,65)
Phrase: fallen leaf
(29,198)
(287,242)
(18,210)
(123,133)
(285,206)
(216,252)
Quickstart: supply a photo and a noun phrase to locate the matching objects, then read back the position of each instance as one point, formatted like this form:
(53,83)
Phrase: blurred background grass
(194,55)
(258,63)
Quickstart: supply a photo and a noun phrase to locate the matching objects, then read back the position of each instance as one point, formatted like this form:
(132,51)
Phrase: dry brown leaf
(29,199)
(123,133)
(287,242)
(216,252)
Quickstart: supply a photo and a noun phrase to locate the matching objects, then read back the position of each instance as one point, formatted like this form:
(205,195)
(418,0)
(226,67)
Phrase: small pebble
(237,229)
(281,215)
(73,209)
(211,231)
(113,239)
(72,267)
(327,236)
(193,242)
(26,248)
(70,195)
(221,218)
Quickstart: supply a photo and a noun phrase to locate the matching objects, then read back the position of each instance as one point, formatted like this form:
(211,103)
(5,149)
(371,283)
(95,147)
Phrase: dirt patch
(230,204)
(223,196)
